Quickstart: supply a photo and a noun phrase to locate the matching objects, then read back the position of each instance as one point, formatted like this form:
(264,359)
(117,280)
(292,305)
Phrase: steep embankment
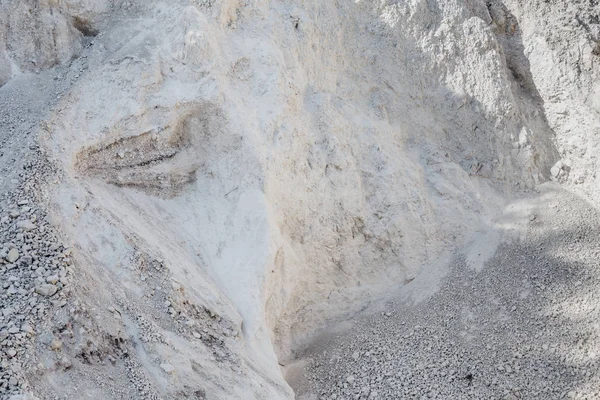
(238,176)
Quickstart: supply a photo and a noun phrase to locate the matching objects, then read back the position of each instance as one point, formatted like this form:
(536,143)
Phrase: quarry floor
(515,317)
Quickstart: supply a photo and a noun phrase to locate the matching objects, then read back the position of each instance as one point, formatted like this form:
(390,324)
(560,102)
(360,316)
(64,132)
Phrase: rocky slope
(232,177)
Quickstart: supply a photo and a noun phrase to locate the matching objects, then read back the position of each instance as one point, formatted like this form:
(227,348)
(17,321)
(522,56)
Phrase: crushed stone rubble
(34,265)
(526,327)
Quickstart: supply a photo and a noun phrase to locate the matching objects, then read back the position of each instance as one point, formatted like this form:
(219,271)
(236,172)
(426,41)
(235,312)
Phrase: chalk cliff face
(562,43)
(239,174)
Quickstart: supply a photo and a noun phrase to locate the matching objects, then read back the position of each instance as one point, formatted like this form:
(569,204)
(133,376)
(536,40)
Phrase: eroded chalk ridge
(159,161)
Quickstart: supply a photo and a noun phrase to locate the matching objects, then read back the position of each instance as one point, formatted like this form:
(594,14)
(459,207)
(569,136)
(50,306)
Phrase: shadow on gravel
(552,295)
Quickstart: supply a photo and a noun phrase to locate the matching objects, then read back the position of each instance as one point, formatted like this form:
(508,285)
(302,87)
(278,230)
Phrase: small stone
(46,289)
(26,225)
(27,329)
(168,368)
(555,170)
(27,260)
(55,344)
(52,279)
(350,379)
(46,338)
(11,353)
(66,363)
(12,256)
(13,330)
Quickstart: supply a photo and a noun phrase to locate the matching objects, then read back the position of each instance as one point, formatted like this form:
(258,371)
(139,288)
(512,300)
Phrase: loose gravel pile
(526,327)
(34,266)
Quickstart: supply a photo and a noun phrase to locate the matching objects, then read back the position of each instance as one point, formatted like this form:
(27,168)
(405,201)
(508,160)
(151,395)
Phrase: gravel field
(525,327)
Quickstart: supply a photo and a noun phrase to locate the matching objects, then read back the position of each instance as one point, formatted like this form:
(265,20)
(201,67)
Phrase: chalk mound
(230,178)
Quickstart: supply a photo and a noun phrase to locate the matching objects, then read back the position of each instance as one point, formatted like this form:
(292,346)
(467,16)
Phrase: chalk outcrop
(236,176)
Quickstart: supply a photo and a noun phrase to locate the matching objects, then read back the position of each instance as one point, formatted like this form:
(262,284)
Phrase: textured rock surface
(563,52)
(5,67)
(38,35)
(41,34)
